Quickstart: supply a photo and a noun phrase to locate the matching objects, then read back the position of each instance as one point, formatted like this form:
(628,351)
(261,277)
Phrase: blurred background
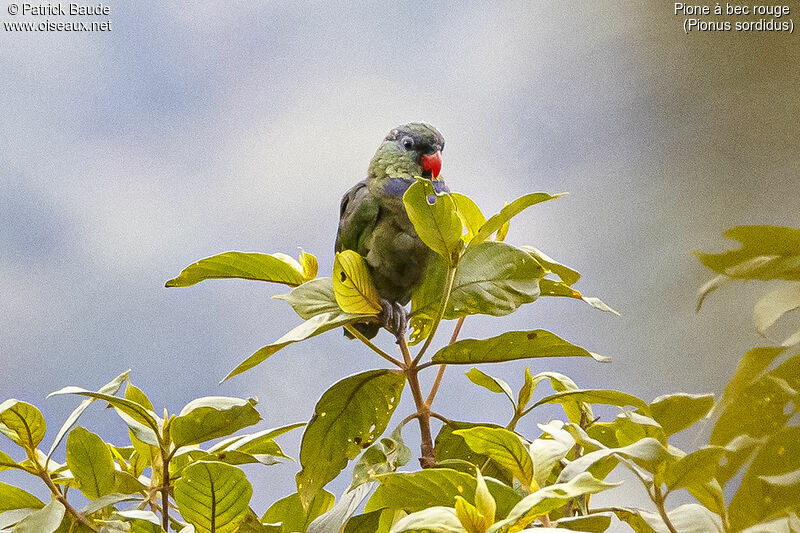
(188,131)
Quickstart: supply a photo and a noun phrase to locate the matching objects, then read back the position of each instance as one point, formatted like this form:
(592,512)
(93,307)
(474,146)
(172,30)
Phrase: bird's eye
(408,143)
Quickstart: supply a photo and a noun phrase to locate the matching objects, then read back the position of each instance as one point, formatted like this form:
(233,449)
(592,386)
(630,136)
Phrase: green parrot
(374,223)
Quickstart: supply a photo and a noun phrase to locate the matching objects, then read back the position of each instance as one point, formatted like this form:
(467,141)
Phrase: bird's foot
(394,318)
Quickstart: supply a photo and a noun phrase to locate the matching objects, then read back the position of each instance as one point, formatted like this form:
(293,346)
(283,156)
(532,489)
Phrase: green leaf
(213,497)
(7,462)
(648,453)
(310,265)
(290,514)
(431,520)
(502,446)
(277,268)
(109,388)
(710,496)
(750,367)
(23,423)
(510,346)
(758,409)
(786,524)
(526,391)
(775,304)
(349,417)
(592,523)
(484,501)
(435,218)
(364,523)
(508,212)
(689,518)
(548,498)
(596,396)
(333,520)
(676,412)
(142,421)
(450,446)
(492,278)
(261,442)
(415,491)
(470,214)
(90,461)
(380,458)
(574,409)
(12,497)
(491,383)
(312,298)
(778,245)
(766,491)
(695,469)
(310,328)
(469,516)
(352,285)
(45,520)
(550,287)
(9,518)
(105,501)
(565,274)
(212,417)
(140,521)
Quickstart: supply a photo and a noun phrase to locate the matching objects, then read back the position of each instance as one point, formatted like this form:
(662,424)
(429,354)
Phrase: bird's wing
(358,215)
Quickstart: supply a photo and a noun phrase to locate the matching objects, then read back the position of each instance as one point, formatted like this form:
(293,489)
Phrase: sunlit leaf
(450,446)
(212,417)
(676,412)
(493,384)
(545,454)
(364,523)
(348,417)
(775,304)
(213,497)
(647,453)
(289,511)
(431,520)
(575,410)
(312,298)
(593,523)
(596,396)
(508,212)
(510,346)
(779,244)
(688,518)
(12,497)
(333,520)
(89,459)
(277,268)
(502,446)
(470,214)
(382,457)
(551,287)
(694,469)
(310,328)
(310,265)
(45,520)
(435,218)
(23,423)
(352,285)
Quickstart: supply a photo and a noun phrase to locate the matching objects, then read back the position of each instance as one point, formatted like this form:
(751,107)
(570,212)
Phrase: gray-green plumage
(373,220)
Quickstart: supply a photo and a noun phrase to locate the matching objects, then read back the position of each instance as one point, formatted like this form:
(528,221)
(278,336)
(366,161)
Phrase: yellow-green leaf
(352,285)
(435,218)
(90,461)
(23,423)
(276,268)
(502,446)
(213,496)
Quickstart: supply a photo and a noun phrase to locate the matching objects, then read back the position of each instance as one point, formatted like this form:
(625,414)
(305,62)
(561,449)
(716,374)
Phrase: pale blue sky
(189,131)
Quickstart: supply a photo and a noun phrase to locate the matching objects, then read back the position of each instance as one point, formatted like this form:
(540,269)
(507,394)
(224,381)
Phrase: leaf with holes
(213,497)
(352,285)
(348,417)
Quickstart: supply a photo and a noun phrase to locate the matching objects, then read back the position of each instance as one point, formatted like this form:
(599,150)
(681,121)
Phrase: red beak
(432,162)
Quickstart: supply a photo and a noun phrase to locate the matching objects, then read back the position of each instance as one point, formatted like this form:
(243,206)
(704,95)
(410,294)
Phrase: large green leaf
(277,268)
(312,298)
(770,486)
(213,497)
(565,274)
(352,285)
(551,287)
(415,491)
(676,412)
(289,511)
(695,469)
(508,212)
(751,366)
(502,446)
(431,520)
(348,417)
(596,396)
(450,446)
(435,218)
(510,346)
(310,328)
(12,497)
(364,523)
(109,388)
(45,520)
(90,461)
(23,423)
(211,417)
(492,278)
(548,498)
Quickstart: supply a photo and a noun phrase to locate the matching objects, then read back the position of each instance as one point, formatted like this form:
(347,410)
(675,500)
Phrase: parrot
(374,223)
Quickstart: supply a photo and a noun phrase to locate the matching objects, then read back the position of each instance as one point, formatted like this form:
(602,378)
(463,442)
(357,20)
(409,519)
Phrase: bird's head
(413,149)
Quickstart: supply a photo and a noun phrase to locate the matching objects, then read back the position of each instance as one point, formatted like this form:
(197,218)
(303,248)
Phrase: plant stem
(165,457)
(451,274)
(357,334)
(45,476)
(658,499)
(423,413)
(440,375)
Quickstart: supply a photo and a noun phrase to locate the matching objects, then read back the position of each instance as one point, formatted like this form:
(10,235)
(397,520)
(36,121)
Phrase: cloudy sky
(184,132)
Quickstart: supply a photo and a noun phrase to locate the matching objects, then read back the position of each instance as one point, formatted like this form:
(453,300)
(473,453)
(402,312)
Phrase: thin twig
(165,457)
(440,374)
(451,274)
(79,517)
(357,334)
(426,459)
(444,419)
